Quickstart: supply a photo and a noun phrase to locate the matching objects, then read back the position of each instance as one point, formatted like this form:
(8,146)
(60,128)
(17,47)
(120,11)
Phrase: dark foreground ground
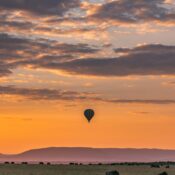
(82,169)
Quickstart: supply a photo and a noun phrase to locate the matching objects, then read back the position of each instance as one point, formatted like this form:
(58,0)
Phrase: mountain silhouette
(78,154)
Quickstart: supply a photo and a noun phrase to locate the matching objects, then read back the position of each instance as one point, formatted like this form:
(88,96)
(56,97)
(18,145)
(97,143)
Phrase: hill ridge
(90,154)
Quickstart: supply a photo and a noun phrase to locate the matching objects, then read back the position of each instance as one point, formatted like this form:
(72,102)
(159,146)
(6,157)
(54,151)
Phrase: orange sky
(44,125)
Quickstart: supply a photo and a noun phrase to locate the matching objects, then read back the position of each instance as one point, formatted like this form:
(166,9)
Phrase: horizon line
(87,147)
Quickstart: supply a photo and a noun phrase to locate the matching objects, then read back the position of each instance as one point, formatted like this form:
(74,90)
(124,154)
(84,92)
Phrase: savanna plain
(19,169)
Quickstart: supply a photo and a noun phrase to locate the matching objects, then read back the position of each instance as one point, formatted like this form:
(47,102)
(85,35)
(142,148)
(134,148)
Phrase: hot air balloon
(89,114)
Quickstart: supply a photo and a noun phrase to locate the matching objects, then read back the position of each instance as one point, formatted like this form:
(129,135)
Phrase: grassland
(81,169)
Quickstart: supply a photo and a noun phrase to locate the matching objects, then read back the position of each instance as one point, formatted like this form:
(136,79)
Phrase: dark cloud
(40,7)
(14,43)
(151,48)
(19,25)
(11,22)
(131,11)
(153,59)
(76,48)
(143,60)
(51,15)
(34,47)
(4,70)
(16,51)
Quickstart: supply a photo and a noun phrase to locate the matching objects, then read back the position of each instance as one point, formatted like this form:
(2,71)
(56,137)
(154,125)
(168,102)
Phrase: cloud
(58,18)
(76,59)
(142,60)
(40,7)
(16,25)
(42,94)
(25,51)
(131,11)
(143,101)
(15,43)
(55,27)
(4,70)
(147,48)
(54,95)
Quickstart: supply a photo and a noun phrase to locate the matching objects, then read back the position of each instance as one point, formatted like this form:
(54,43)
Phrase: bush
(41,163)
(112,173)
(24,163)
(163,173)
(155,166)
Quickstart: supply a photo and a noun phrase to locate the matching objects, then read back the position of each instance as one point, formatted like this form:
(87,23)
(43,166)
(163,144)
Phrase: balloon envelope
(89,114)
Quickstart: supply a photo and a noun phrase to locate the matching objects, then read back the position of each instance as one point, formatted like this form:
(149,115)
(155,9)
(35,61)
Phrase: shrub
(112,173)
(163,173)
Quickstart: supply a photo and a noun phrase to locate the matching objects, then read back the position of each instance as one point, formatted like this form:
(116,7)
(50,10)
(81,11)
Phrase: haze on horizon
(60,57)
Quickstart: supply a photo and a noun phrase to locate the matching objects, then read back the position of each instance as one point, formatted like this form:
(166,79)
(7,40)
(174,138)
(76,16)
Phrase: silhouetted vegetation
(24,163)
(41,163)
(163,173)
(6,162)
(152,164)
(155,166)
(112,173)
(73,163)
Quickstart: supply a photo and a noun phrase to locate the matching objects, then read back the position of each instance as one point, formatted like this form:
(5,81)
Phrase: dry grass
(81,170)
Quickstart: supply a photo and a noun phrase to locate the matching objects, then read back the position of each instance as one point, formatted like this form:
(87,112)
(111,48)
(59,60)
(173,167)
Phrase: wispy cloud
(42,94)
(55,95)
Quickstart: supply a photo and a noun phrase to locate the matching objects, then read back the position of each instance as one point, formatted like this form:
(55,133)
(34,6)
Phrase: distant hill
(77,154)
(1,155)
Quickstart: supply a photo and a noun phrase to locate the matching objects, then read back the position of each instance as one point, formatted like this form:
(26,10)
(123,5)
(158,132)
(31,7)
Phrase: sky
(59,57)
